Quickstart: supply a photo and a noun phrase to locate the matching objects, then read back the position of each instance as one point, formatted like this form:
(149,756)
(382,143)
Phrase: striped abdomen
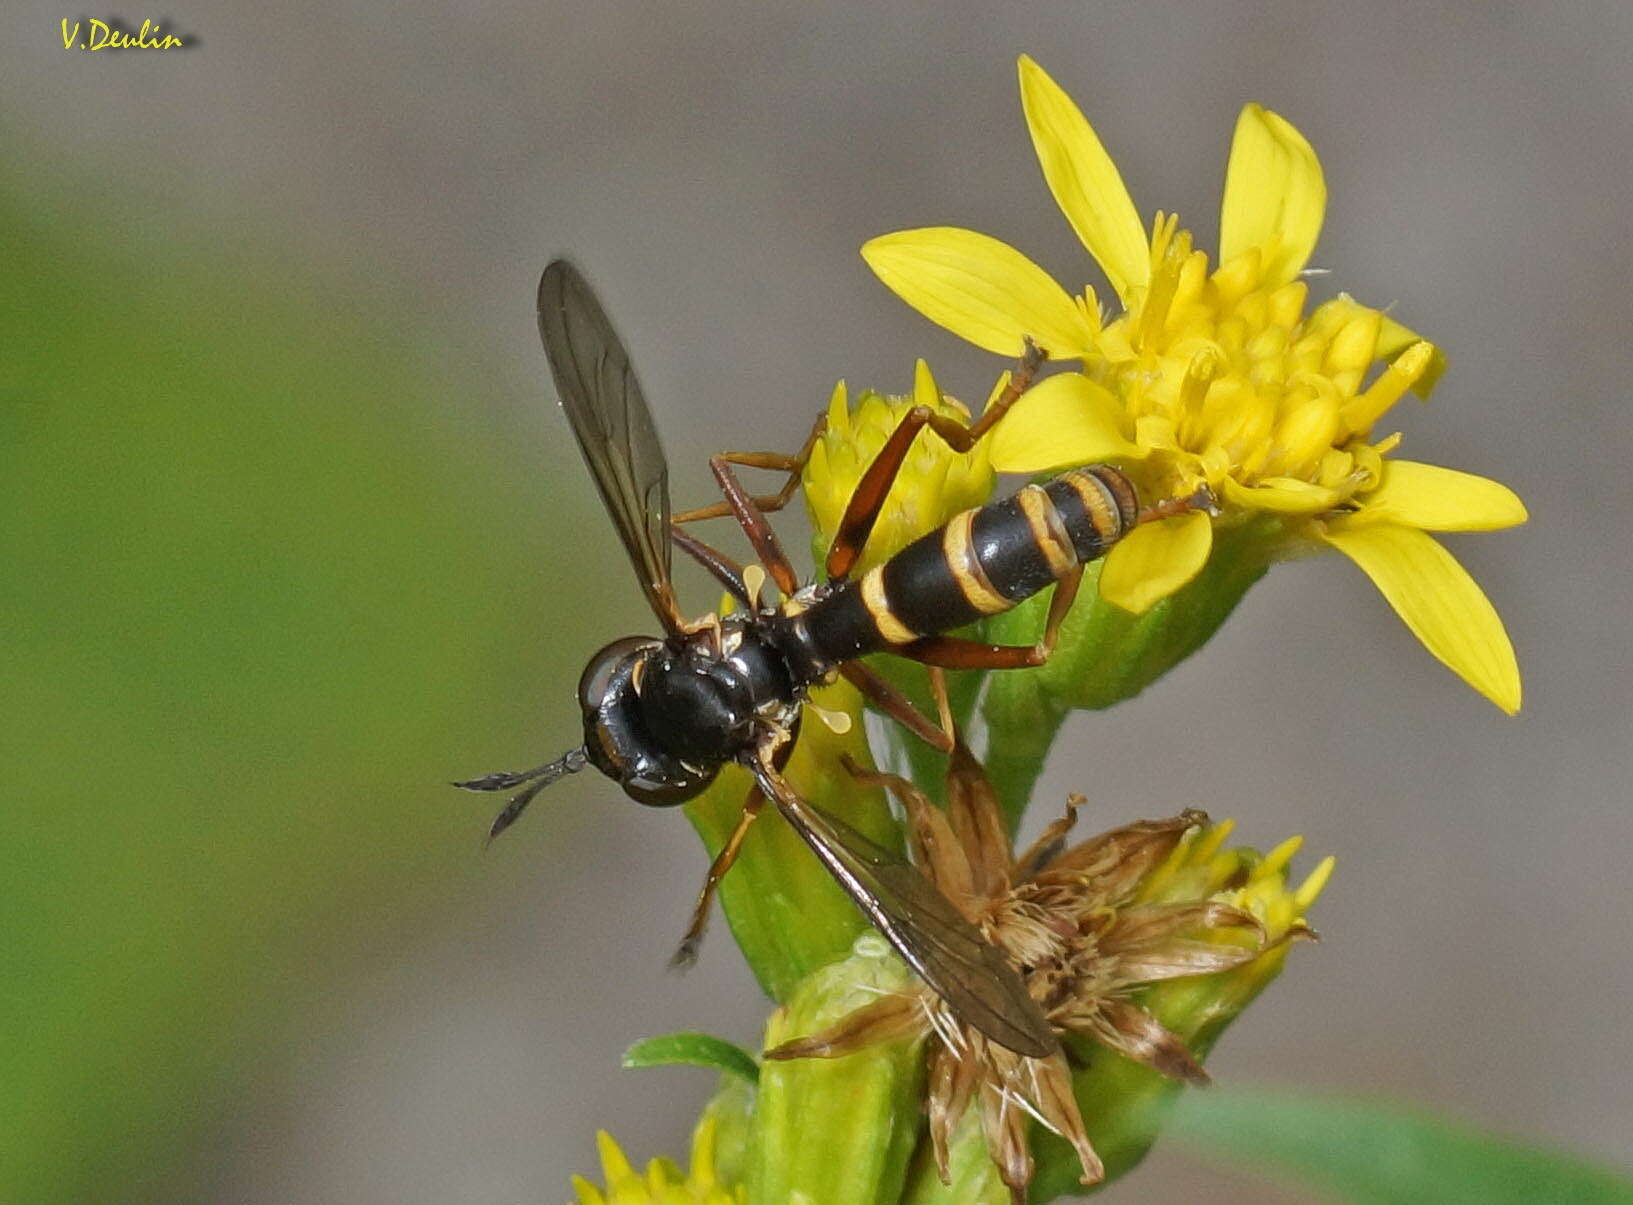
(982,562)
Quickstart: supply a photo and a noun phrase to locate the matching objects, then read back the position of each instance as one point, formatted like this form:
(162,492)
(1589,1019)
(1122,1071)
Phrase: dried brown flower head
(1075,922)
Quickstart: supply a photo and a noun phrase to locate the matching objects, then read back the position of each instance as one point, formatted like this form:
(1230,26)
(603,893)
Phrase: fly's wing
(612,424)
(971,974)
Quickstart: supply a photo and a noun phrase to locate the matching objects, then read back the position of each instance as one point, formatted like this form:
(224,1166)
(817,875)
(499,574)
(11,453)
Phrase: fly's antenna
(537,779)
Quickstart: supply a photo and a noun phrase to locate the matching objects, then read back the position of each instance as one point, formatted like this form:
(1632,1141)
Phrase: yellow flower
(663,1183)
(934,483)
(1200,867)
(1221,378)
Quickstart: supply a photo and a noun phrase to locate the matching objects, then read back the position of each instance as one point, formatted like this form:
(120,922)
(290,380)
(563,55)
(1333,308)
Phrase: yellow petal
(588,1194)
(981,290)
(1314,883)
(703,1144)
(1275,196)
(925,390)
(1284,495)
(1155,559)
(1085,181)
(1437,499)
(615,1169)
(1438,601)
(1063,420)
(663,1176)
(1393,339)
(839,409)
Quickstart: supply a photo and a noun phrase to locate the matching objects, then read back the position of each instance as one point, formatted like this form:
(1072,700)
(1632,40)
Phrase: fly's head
(639,729)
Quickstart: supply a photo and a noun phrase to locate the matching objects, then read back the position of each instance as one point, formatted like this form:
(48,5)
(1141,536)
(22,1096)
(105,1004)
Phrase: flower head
(1090,926)
(1220,376)
(934,482)
(663,1183)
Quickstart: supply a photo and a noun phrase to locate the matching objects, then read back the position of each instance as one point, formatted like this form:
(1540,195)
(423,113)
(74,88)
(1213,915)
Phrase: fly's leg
(862,511)
(753,522)
(724,570)
(956,652)
(686,955)
(895,704)
(777,462)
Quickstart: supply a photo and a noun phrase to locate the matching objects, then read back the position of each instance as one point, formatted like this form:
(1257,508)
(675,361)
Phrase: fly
(663,714)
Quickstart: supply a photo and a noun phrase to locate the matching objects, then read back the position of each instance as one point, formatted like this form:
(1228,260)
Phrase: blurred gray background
(714,168)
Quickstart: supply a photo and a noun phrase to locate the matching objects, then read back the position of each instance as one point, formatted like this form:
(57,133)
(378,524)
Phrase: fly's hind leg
(956,652)
(895,705)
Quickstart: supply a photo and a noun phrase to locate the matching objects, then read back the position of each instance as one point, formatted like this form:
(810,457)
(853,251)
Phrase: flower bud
(838,1129)
(934,482)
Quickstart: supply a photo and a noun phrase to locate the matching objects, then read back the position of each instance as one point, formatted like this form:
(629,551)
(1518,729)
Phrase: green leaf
(693,1050)
(1364,1151)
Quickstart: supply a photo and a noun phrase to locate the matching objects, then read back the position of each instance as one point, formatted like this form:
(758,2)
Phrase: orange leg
(955,652)
(895,704)
(775,461)
(686,955)
(865,504)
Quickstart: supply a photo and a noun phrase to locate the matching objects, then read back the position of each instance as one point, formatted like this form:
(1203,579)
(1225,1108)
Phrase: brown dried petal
(1119,859)
(952,1084)
(1050,842)
(1004,1122)
(972,806)
(1140,929)
(1052,1092)
(933,844)
(1180,957)
(1130,1030)
(885,1019)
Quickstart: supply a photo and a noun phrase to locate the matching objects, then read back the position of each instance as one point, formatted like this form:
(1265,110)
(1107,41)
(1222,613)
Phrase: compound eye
(592,683)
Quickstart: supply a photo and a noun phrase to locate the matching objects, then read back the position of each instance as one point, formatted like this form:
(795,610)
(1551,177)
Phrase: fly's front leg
(753,522)
(776,462)
(724,570)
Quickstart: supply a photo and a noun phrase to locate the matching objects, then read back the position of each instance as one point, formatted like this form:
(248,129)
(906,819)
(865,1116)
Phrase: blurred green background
(251,599)
(291,535)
